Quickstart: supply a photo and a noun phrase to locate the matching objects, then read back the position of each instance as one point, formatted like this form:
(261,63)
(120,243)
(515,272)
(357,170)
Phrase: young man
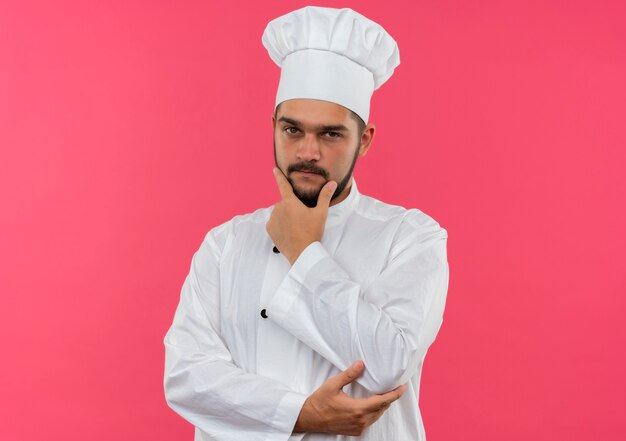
(311,319)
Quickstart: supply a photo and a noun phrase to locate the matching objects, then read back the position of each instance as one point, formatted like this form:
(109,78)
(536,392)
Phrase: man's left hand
(293,226)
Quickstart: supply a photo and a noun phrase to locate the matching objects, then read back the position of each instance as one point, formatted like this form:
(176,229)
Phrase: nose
(308,148)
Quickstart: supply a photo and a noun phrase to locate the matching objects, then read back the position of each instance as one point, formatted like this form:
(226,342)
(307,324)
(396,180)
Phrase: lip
(307,174)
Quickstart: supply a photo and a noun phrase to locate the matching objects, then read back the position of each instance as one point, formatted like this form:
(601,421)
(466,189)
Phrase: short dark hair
(359,121)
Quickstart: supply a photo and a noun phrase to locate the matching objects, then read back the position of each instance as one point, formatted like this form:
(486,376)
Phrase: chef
(310,319)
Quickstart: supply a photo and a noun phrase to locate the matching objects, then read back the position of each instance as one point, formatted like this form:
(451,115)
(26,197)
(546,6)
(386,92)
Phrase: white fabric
(373,289)
(306,73)
(331,54)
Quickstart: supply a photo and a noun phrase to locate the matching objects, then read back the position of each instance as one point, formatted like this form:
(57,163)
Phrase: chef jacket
(254,336)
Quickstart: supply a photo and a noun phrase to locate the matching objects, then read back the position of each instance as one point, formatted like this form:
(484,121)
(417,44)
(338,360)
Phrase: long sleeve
(203,384)
(389,324)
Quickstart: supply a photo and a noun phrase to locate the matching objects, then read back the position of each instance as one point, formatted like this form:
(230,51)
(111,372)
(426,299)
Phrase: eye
(291,130)
(331,135)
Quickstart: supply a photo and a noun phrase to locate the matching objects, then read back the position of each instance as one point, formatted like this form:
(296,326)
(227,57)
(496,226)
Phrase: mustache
(307,167)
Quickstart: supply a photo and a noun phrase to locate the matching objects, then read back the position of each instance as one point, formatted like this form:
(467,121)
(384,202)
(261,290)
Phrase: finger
(346,377)
(378,401)
(377,415)
(374,415)
(326,194)
(286,191)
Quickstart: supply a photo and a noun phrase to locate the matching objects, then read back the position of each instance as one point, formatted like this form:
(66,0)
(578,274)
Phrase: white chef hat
(329,54)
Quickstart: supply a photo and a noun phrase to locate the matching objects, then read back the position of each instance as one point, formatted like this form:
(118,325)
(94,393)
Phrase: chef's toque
(329,54)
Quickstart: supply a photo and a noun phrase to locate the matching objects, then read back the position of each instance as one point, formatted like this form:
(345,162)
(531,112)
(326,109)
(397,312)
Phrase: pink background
(128,129)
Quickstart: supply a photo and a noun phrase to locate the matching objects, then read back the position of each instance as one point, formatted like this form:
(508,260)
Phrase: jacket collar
(337,214)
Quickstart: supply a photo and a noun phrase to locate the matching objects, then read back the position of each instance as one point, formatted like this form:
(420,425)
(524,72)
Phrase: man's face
(314,142)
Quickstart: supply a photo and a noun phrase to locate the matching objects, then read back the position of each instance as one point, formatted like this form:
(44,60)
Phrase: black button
(275,250)
(263,314)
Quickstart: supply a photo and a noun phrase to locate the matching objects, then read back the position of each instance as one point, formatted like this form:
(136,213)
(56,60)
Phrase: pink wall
(128,129)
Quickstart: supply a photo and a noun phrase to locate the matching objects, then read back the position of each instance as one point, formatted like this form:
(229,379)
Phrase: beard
(309,197)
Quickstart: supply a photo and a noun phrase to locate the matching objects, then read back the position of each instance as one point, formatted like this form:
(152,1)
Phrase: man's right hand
(329,409)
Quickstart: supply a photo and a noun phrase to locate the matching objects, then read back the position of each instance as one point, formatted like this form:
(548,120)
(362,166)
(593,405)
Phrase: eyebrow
(325,128)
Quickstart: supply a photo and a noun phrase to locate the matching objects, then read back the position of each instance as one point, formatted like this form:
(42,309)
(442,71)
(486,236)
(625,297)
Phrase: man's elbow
(387,375)
(170,391)
(175,383)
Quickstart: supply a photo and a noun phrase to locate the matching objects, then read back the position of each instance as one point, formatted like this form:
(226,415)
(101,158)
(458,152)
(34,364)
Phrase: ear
(273,121)
(366,139)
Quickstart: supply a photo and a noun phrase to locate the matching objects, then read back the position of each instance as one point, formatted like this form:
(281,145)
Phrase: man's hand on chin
(293,226)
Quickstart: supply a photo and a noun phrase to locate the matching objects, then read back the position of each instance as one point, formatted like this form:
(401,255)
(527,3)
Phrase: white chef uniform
(253,336)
